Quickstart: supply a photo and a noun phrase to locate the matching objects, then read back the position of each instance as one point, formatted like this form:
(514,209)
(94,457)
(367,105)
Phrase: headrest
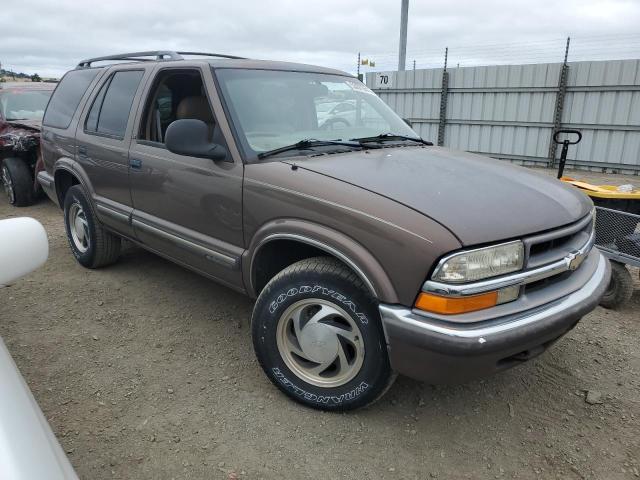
(194,107)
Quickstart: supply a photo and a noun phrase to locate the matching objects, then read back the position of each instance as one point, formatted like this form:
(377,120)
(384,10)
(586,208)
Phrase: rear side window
(67,96)
(111,108)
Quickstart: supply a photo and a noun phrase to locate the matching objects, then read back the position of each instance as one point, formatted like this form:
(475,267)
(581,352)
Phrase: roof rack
(158,55)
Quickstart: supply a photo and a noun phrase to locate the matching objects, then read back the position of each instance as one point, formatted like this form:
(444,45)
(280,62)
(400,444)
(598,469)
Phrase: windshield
(272,109)
(24,104)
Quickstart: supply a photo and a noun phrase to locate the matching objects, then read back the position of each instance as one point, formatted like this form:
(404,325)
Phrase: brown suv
(369,250)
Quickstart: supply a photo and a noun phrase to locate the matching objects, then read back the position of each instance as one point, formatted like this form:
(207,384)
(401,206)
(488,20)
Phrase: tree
(35,78)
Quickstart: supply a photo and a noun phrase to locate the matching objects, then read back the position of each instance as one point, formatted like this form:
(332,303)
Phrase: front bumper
(437,351)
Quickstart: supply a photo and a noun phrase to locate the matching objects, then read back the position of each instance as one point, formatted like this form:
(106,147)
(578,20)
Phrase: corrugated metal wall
(507,111)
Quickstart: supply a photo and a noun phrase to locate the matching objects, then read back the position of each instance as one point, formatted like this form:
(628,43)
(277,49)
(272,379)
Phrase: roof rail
(157,55)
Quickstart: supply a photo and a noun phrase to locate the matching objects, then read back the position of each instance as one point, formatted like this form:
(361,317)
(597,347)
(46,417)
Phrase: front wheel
(17,181)
(317,335)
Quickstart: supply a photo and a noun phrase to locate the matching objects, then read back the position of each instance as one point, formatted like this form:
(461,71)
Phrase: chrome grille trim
(572,237)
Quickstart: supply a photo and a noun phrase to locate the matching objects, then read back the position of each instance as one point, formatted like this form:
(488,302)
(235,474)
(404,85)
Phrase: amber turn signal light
(452,305)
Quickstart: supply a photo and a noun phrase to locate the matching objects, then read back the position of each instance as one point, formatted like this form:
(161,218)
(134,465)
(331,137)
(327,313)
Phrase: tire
(338,318)
(17,181)
(90,243)
(620,287)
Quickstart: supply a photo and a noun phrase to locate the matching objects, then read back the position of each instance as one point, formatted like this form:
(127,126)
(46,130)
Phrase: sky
(50,37)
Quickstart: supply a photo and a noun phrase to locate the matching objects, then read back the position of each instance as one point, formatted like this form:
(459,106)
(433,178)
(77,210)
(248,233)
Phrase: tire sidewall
(21,181)
(373,376)
(620,287)
(76,195)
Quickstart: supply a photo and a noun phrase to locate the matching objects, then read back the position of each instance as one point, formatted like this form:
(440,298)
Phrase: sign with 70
(383,80)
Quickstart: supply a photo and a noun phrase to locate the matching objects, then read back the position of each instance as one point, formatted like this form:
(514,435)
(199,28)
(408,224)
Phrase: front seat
(197,108)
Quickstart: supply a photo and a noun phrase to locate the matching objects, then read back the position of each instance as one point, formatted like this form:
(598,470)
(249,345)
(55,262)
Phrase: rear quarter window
(67,96)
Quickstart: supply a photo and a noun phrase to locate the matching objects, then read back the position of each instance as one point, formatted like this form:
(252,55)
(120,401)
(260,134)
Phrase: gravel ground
(146,370)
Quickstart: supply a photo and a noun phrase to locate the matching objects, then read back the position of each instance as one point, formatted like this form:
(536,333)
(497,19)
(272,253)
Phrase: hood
(479,199)
(30,124)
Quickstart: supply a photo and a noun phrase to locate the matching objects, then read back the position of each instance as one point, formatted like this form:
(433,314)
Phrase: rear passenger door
(187,208)
(103,138)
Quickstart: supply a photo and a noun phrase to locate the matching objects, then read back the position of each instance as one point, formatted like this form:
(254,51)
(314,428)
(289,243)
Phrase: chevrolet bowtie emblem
(574,259)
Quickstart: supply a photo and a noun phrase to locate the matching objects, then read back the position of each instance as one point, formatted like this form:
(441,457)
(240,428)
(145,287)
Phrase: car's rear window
(67,96)
(23,104)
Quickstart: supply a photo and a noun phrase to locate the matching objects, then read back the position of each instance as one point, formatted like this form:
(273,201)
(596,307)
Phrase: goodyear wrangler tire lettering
(324,399)
(318,336)
(292,292)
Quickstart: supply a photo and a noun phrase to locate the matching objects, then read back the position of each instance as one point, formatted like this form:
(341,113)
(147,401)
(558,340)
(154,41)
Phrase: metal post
(414,64)
(444,93)
(404,18)
(557,113)
(358,64)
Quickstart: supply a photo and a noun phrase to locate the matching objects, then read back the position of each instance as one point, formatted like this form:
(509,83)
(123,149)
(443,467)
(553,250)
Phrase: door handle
(135,163)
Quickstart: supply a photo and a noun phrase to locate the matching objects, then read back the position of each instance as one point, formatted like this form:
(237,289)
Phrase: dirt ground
(146,371)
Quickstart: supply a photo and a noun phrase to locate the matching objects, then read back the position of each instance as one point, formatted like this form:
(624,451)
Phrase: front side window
(273,109)
(176,95)
(24,104)
(110,110)
(67,96)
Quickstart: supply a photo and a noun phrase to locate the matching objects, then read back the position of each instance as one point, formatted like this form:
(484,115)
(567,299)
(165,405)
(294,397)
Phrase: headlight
(481,263)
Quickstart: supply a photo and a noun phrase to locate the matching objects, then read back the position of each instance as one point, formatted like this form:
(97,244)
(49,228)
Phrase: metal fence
(510,111)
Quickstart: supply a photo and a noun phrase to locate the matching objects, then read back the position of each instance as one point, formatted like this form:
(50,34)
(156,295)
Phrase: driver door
(186,208)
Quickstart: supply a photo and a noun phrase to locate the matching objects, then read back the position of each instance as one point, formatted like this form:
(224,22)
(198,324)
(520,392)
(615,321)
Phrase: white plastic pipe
(23,248)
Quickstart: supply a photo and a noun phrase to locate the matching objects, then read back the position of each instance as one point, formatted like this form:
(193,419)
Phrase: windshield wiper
(390,137)
(16,119)
(307,144)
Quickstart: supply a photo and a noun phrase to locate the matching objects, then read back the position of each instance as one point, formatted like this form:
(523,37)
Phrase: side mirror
(23,248)
(191,137)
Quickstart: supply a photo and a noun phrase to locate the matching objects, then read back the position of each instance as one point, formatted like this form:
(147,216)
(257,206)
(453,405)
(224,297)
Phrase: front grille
(556,244)
(546,282)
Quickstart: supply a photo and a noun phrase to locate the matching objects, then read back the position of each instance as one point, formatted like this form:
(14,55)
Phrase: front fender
(358,258)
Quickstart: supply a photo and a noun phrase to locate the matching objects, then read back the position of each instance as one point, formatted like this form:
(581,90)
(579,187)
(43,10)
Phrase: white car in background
(336,115)
(28,448)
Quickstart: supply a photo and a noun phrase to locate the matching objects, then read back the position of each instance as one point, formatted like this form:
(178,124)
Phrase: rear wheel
(90,243)
(317,335)
(620,287)
(17,182)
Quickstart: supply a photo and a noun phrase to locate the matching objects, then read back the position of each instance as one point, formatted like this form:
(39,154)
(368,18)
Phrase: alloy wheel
(320,343)
(7,183)
(79,227)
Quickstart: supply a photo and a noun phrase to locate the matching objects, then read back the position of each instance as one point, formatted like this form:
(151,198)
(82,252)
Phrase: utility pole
(358,65)
(404,18)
